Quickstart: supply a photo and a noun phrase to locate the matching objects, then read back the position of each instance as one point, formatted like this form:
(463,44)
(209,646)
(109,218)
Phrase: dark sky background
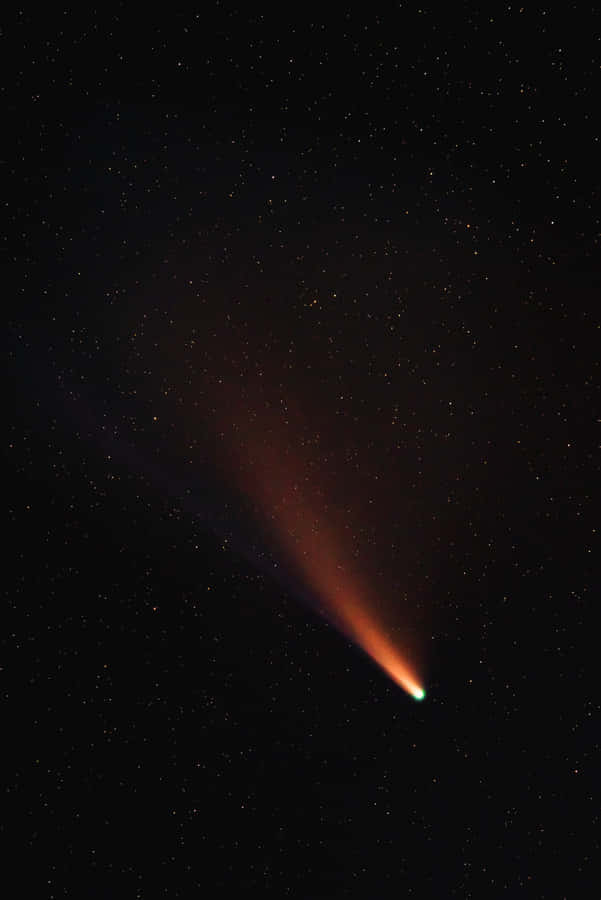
(360,248)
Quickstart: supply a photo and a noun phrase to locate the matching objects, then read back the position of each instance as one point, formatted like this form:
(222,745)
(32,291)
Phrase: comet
(293,507)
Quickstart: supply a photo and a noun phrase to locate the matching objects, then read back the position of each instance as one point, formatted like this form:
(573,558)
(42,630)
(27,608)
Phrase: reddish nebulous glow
(293,506)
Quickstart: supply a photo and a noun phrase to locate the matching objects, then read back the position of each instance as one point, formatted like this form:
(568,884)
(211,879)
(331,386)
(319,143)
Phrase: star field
(298,300)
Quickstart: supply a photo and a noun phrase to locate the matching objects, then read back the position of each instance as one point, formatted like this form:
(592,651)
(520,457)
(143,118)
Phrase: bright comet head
(418,694)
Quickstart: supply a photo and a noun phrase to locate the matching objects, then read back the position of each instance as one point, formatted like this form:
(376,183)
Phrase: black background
(391,219)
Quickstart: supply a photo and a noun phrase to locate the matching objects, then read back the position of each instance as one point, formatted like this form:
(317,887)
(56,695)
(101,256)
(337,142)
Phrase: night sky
(303,374)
